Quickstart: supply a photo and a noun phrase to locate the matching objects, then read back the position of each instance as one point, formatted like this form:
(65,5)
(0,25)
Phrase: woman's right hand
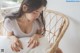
(16,45)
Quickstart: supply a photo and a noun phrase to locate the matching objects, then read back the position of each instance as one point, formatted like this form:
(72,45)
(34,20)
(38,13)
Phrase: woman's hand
(16,44)
(34,40)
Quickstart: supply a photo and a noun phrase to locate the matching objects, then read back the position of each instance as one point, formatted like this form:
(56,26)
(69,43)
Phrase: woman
(28,21)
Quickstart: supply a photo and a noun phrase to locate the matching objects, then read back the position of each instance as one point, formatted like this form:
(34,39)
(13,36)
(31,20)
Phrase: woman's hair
(32,5)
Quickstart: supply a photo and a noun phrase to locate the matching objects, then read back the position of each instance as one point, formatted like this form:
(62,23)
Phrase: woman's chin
(31,20)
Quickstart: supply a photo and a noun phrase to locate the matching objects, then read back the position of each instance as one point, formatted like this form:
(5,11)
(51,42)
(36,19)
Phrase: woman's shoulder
(8,23)
(8,20)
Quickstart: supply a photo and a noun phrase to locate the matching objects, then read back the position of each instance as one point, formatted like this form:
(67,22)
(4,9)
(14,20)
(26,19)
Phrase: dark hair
(32,5)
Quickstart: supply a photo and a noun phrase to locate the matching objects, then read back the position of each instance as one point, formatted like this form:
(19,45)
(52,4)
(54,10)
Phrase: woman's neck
(23,19)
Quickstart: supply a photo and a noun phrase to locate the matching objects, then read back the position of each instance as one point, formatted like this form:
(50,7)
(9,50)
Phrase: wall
(71,40)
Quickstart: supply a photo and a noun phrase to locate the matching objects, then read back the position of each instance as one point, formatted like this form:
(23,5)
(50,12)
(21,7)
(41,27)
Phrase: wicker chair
(56,25)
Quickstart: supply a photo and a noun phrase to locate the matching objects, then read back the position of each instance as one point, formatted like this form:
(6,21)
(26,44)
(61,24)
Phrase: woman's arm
(34,40)
(11,36)
(39,32)
(16,44)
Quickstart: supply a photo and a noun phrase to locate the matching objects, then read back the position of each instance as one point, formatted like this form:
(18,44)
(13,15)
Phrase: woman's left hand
(34,41)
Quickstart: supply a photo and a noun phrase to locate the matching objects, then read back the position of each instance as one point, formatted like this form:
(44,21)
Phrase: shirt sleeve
(8,25)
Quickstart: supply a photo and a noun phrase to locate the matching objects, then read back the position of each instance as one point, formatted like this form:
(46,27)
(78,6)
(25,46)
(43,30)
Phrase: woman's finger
(15,48)
(19,44)
(33,44)
(12,48)
(37,42)
(30,42)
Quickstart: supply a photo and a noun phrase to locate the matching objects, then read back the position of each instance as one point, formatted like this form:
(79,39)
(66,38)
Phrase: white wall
(71,40)
(71,9)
